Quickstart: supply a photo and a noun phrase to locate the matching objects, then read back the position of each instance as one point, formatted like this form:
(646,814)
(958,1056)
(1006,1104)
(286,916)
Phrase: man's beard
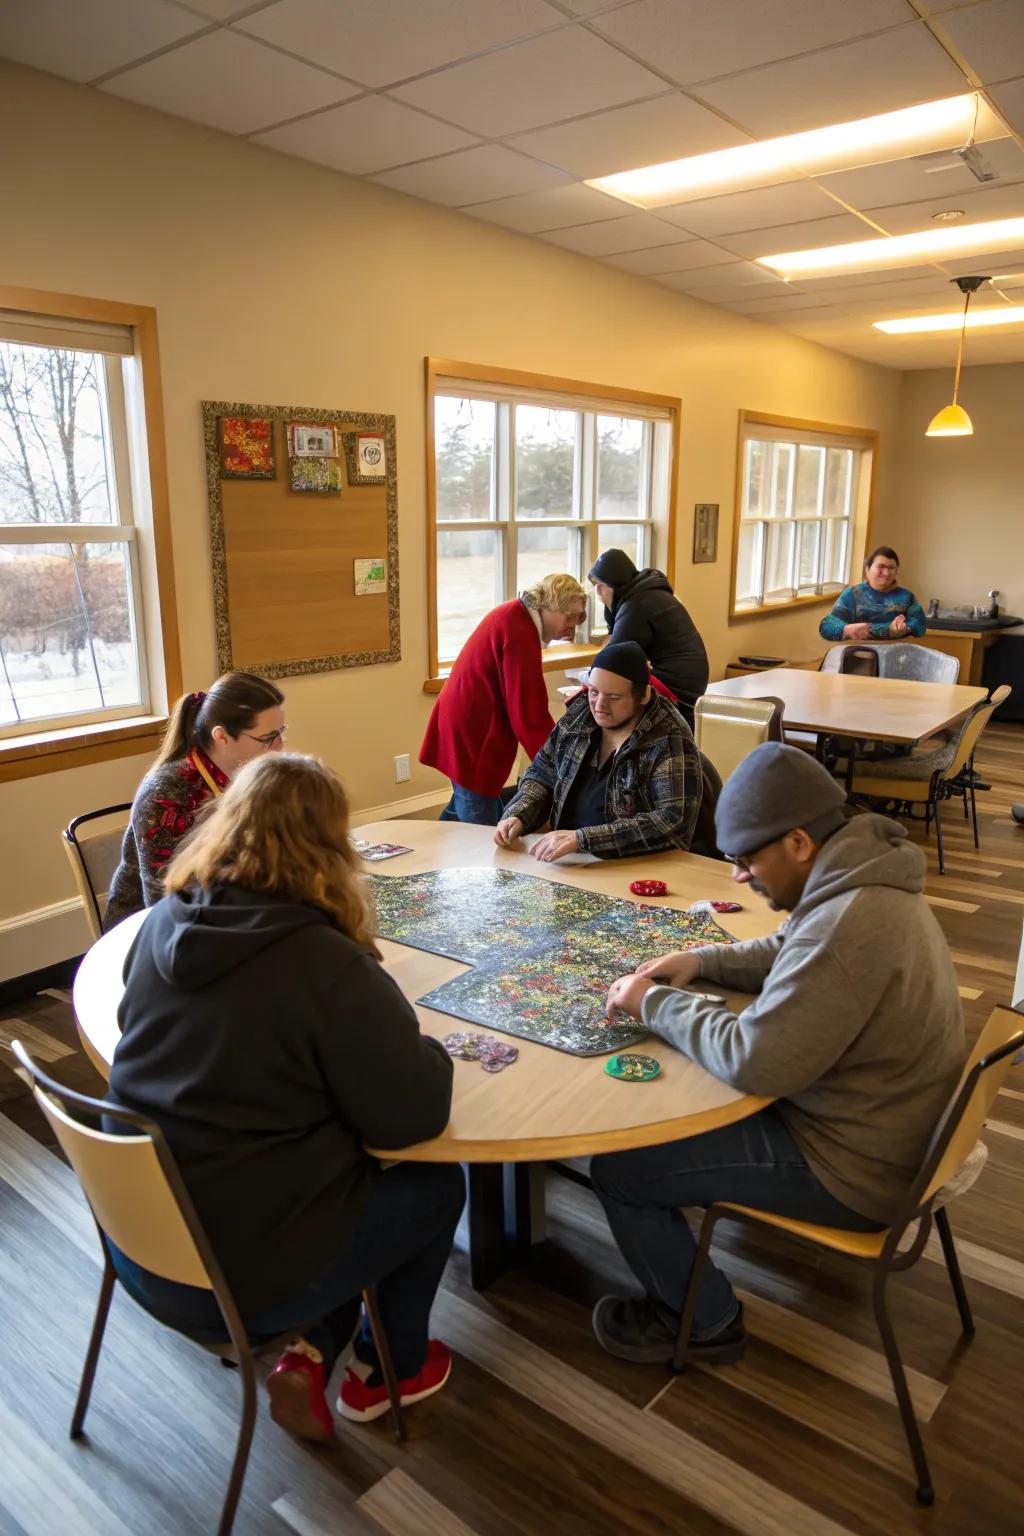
(776,906)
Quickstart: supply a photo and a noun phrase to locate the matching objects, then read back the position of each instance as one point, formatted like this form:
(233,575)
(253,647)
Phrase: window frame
(859,520)
(53,748)
(581,397)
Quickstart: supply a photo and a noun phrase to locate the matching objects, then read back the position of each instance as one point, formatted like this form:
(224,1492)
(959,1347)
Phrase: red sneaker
(361,1402)
(297,1401)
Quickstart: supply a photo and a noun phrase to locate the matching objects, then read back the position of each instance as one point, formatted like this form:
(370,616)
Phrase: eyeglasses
(270,739)
(742,860)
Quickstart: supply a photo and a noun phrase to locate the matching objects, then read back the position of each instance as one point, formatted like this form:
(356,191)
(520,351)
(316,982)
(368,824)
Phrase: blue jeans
(467,805)
(400,1243)
(755,1162)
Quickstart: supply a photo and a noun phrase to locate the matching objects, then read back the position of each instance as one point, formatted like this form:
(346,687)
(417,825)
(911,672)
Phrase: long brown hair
(281,825)
(233,702)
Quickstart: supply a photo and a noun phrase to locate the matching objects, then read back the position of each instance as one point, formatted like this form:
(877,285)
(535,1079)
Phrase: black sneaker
(632,1329)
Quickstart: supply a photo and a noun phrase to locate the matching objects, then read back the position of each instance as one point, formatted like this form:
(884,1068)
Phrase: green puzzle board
(543,954)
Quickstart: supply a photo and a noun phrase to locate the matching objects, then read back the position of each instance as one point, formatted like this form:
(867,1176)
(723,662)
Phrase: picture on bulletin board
(311,442)
(318,475)
(366,458)
(705,532)
(371,576)
(246,445)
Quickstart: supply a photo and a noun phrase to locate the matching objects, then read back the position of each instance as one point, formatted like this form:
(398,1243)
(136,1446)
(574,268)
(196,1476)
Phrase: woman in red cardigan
(496,698)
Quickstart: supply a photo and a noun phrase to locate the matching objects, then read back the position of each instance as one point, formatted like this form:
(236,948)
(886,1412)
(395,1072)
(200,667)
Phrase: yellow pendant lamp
(953,420)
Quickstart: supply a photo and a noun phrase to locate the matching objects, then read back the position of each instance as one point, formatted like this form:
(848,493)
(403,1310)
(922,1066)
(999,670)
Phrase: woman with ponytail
(209,737)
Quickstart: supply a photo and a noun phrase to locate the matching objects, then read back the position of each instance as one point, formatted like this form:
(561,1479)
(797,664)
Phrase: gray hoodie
(857,1030)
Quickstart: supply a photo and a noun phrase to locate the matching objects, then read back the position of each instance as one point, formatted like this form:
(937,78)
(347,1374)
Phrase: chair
(897,658)
(951,1145)
(726,728)
(94,858)
(859,660)
(934,774)
(704,841)
(139,1201)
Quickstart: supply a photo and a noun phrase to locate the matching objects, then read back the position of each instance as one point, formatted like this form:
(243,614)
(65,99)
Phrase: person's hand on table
(627,995)
(676,970)
(554,845)
(898,625)
(856,631)
(506,832)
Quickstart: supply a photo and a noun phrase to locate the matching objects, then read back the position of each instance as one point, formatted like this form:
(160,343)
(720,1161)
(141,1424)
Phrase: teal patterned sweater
(863,605)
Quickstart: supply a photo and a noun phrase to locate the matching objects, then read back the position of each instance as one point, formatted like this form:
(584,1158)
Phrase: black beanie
(625,659)
(614,568)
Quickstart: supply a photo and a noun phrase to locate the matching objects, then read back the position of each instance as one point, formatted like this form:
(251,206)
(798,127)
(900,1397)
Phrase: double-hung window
(532,478)
(75,497)
(803,499)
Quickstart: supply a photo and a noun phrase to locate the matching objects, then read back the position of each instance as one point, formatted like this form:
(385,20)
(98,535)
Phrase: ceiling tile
(838,85)
(216,10)
(777,304)
(229,82)
(908,291)
(559,75)
(1009,101)
(786,319)
(667,128)
(798,237)
(990,37)
(716,295)
(989,202)
(636,232)
(83,41)
(555,209)
(917,179)
(590,7)
(990,264)
(378,41)
(725,279)
(792,203)
(472,176)
(692,40)
(670,258)
(368,135)
(864,279)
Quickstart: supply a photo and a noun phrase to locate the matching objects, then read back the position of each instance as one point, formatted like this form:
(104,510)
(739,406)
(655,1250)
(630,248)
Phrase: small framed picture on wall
(705,532)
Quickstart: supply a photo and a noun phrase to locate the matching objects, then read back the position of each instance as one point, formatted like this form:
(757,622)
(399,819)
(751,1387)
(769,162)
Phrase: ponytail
(233,702)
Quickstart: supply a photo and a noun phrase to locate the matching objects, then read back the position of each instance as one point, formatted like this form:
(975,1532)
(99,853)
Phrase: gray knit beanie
(775,789)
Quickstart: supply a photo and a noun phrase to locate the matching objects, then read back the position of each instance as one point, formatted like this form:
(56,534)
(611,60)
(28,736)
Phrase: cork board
(284,560)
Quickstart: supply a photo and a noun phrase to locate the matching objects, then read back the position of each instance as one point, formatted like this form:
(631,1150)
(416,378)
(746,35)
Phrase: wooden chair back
(971,729)
(94,853)
(984,1074)
(726,729)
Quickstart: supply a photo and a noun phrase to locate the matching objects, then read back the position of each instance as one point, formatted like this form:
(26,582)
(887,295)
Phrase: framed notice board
(304,537)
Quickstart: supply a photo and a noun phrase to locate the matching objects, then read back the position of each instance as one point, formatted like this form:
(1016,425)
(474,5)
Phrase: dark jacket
(654,785)
(268,1047)
(647,611)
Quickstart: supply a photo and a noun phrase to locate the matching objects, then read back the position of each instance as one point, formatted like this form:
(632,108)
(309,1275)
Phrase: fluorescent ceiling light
(921,130)
(926,245)
(1007,314)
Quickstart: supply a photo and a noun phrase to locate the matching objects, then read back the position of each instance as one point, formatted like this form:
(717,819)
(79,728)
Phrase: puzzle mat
(543,954)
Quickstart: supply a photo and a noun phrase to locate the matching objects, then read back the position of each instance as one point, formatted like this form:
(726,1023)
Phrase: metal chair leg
(245,1431)
(95,1343)
(974,813)
(925,1491)
(938,836)
(956,1279)
(682,1349)
(387,1365)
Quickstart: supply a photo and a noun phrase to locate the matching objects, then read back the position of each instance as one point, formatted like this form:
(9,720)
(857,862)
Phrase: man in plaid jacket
(618,776)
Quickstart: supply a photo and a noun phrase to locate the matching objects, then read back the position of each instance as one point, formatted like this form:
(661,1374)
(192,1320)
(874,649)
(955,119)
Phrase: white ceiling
(500,108)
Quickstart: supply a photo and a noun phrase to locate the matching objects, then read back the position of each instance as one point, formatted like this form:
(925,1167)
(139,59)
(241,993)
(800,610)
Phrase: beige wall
(959,528)
(282,283)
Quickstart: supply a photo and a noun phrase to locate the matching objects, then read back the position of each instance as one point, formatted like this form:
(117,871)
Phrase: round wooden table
(548,1105)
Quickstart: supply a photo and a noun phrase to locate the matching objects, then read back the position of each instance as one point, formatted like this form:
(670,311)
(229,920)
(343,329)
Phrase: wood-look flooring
(539,1432)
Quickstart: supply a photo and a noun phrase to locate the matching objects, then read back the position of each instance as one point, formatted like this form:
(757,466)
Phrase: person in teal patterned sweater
(878,608)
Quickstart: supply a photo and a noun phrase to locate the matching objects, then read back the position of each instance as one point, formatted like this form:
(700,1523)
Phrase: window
(78,551)
(803,499)
(530,478)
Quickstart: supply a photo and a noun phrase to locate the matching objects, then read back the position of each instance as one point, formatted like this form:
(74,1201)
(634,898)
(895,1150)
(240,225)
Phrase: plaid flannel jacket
(654,784)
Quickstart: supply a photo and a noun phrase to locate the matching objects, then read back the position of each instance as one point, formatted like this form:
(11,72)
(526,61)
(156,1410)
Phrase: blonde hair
(281,826)
(557,592)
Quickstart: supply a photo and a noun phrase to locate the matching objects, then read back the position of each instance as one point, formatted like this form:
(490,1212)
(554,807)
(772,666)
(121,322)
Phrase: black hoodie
(645,609)
(268,1047)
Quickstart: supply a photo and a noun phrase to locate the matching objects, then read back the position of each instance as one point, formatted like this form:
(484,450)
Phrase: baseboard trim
(46,936)
(399,808)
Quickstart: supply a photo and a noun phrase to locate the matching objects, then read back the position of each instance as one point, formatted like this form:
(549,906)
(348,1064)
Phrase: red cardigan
(495,698)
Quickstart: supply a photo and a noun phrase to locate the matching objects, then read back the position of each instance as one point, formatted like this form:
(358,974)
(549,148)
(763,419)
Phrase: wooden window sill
(821,598)
(557,661)
(23,757)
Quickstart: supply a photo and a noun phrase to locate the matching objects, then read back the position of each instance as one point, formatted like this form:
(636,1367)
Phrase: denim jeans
(467,805)
(755,1162)
(400,1243)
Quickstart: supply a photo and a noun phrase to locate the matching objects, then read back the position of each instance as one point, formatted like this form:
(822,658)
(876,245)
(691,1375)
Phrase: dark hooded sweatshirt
(269,1047)
(646,610)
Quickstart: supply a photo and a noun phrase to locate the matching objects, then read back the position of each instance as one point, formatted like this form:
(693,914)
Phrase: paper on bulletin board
(371,576)
(370,456)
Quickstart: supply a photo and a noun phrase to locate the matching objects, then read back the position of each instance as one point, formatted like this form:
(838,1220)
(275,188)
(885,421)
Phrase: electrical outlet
(402,769)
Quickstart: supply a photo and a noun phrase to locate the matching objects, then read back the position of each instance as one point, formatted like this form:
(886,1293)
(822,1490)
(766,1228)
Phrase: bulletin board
(285,572)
